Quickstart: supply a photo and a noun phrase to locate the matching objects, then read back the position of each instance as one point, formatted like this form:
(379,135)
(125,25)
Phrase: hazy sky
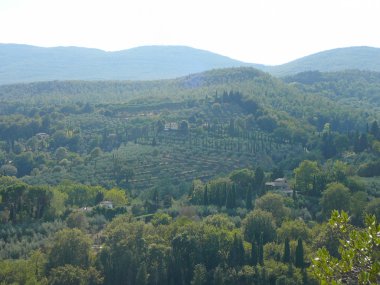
(258,31)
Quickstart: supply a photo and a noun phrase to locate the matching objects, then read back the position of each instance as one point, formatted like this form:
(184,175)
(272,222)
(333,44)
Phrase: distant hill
(23,63)
(348,100)
(361,58)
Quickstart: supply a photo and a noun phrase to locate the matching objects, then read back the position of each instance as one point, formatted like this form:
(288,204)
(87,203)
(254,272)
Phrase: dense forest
(231,176)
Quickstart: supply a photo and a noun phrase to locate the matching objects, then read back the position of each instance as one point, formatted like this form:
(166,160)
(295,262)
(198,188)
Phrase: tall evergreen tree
(240,250)
(375,131)
(230,200)
(299,262)
(233,254)
(155,200)
(233,195)
(205,196)
(254,253)
(261,250)
(286,257)
(142,275)
(259,180)
(248,200)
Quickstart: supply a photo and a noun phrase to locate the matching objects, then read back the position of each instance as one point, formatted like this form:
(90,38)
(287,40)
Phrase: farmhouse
(106,204)
(280,185)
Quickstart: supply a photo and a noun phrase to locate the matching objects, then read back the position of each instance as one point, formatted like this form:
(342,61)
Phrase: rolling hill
(361,58)
(23,63)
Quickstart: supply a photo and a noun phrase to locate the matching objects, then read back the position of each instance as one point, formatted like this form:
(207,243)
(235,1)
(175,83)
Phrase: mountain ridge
(338,59)
(25,63)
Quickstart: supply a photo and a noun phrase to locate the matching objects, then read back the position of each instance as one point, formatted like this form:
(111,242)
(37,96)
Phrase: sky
(257,31)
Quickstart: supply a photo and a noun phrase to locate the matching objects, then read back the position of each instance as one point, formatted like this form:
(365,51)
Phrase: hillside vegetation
(230,176)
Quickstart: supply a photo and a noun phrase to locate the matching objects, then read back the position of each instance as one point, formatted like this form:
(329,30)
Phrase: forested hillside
(229,176)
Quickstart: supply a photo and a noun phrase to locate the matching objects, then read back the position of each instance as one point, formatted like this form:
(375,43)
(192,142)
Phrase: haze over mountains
(23,63)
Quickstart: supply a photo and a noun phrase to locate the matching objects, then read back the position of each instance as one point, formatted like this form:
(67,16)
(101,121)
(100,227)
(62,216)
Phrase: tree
(230,199)
(299,260)
(359,254)
(8,170)
(236,254)
(375,130)
(337,171)
(184,127)
(273,203)
(259,180)
(243,177)
(361,143)
(67,275)
(61,153)
(200,275)
(336,197)
(254,253)
(70,246)
(142,275)
(286,256)
(358,204)
(257,222)
(74,275)
(205,196)
(116,196)
(161,219)
(328,146)
(305,174)
(261,249)
(248,199)
(219,277)
(24,163)
(293,230)
(77,220)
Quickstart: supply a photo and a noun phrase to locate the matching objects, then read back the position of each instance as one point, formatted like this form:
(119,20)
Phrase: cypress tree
(142,275)
(236,254)
(229,199)
(155,200)
(217,196)
(286,257)
(261,250)
(254,253)
(232,255)
(248,200)
(299,262)
(259,180)
(205,196)
(240,251)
